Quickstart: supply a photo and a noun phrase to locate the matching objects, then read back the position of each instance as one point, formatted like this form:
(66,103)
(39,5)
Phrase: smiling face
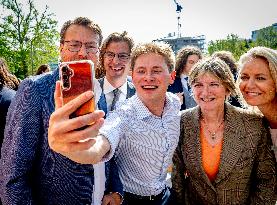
(209,92)
(78,33)
(256,83)
(114,66)
(151,78)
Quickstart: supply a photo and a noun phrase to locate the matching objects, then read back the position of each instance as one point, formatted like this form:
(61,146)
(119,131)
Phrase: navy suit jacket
(30,172)
(102,104)
(177,87)
(6,96)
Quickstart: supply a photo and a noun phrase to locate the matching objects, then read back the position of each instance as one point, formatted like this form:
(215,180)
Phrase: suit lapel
(193,147)
(130,90)
(232,142)
(102,104)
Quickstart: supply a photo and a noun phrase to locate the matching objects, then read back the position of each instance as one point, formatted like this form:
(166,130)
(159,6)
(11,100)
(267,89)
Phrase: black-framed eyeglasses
(75,46)
(121,56)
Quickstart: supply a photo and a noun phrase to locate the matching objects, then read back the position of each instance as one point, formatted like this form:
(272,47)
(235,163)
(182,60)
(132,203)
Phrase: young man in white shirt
(142,132)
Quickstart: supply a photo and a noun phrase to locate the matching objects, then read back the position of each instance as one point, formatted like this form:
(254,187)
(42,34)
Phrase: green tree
(267,37)
(233,44)
(28,37)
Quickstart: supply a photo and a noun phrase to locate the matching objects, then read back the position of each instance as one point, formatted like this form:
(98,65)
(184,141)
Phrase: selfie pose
(30,172)
(142,132)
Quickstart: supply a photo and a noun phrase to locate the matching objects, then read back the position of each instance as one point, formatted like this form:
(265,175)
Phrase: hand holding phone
(76,78)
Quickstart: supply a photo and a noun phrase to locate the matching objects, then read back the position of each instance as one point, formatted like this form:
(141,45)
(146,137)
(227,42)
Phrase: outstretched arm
(65,137)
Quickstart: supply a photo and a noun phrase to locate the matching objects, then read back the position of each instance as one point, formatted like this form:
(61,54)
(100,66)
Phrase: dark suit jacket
(247,171)
(102,104)
(30,172)
(6,96)
(111,168)
(177,87)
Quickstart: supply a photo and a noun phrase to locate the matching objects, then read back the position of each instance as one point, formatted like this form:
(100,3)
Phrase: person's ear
(61,47)
(172,76)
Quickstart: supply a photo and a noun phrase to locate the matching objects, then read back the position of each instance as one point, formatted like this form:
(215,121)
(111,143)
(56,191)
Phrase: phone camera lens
(64,69)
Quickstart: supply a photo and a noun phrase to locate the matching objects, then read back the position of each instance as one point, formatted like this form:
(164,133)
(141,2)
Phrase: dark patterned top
(31,173)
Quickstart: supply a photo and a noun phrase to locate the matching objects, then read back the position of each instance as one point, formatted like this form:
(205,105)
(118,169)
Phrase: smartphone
(76,78)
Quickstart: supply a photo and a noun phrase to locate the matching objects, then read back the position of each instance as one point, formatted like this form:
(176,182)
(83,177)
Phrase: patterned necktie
(116,94)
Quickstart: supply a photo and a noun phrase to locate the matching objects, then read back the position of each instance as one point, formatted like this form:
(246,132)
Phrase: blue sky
(146,20)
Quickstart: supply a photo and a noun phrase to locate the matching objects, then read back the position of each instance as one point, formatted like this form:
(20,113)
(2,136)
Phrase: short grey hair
(219,69)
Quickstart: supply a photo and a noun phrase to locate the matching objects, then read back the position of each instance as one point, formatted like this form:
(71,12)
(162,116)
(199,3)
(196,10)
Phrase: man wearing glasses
(114,62)
(30,172)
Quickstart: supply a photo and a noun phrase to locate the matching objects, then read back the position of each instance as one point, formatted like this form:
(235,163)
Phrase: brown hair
(159,48)
(219,69)
(182,57)
(42,69)
(229,59)
(82,21)
(6,78)
(114,37)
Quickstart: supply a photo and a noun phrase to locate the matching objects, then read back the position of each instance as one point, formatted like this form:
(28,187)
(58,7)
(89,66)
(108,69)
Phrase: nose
(82,52)
(149,77)
(115,59)
(250,83)
(205,90)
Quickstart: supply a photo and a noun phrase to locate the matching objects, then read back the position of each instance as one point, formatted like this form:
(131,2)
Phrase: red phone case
(77,77)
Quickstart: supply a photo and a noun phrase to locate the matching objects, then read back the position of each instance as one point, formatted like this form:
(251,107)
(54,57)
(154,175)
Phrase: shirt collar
(107,88)
(142,110)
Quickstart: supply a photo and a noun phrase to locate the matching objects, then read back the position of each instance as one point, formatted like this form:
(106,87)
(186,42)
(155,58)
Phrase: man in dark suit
(114,61)
(114,64)
(30,172)
(185,60)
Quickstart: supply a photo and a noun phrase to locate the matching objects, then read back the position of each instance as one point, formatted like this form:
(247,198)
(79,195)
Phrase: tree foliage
(266,37)
(233,44)
(28,37)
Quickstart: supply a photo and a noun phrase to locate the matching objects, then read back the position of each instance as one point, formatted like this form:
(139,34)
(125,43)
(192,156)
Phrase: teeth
(117,68)
(207,99)
(252,93)
(149,86)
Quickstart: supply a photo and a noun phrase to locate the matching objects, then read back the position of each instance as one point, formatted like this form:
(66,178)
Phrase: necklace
(212,134)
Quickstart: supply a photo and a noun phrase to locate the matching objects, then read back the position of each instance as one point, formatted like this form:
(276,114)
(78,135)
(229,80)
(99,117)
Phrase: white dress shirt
(108,91)
(143,143)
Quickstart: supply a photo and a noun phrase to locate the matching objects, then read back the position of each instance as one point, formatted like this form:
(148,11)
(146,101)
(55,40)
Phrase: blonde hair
(268,54)
(159,48)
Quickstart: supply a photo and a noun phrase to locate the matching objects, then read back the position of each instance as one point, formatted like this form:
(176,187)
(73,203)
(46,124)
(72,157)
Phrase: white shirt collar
(107,88)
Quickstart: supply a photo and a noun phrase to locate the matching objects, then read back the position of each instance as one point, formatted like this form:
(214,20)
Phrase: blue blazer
(6,96)
(102,104)
(31,173)
(177,87)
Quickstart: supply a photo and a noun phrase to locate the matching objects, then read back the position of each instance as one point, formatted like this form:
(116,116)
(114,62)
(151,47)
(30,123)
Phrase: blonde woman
(258,85)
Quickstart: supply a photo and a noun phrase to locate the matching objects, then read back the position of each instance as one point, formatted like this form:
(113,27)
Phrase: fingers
(81,121)
(58,95)
(74,104)
(87,133)
(76,146)
(108,200)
